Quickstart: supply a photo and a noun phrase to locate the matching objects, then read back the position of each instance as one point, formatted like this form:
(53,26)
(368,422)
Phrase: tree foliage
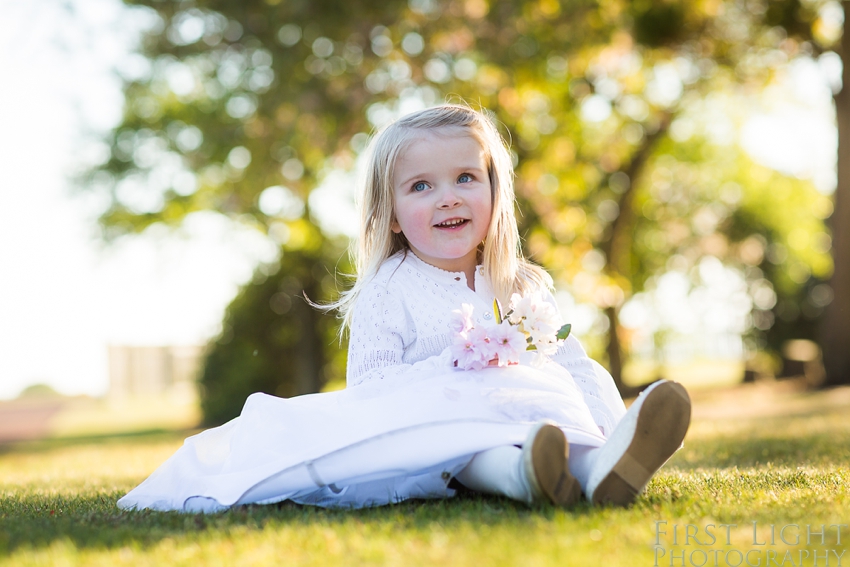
(272,340)
(246,105)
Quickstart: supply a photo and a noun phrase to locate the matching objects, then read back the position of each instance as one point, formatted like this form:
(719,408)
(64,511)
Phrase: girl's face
(443,200)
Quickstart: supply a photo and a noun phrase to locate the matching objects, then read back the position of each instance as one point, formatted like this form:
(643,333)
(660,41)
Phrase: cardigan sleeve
(378,332)
(381,330)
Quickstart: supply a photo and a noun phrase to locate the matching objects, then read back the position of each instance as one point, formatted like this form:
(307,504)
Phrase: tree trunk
(615,350)
(835,326)
(618,246)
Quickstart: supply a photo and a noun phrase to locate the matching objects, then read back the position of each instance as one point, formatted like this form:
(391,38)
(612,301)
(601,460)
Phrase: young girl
(438,231)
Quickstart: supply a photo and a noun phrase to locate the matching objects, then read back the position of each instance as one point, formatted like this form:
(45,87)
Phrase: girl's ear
(395,227)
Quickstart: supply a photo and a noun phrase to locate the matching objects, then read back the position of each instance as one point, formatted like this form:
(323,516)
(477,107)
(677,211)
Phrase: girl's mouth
(452,224)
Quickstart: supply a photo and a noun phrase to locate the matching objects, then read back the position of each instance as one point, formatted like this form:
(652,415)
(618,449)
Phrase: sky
(65,295)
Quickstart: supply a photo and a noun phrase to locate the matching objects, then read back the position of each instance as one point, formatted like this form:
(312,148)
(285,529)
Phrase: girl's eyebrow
(418,176)
(405,182)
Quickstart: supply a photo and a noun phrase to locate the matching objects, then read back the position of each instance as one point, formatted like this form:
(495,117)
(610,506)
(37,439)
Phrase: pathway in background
(23,420)
(33,419)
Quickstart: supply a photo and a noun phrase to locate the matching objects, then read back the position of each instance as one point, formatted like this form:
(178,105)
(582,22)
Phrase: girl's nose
(448,198)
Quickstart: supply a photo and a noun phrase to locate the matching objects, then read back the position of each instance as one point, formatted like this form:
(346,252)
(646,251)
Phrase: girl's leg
(539,472)
(497,471)
(582,459)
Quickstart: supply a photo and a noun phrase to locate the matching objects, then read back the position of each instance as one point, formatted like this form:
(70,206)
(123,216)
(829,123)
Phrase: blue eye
(464,178)
(420,186)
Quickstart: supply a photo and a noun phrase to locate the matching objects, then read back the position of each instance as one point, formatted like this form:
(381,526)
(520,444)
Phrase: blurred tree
(823,28)
(243,107)
(38,391)
(835,331)
(272,340)
(239,107)
(590,147)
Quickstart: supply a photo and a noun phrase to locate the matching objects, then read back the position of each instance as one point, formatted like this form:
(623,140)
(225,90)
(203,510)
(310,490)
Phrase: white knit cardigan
(401,321)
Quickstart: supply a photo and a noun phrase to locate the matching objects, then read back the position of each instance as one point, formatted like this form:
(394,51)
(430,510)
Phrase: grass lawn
(761,453)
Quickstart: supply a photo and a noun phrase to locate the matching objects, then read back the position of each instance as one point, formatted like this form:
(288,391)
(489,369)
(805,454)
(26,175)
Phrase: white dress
(405,425)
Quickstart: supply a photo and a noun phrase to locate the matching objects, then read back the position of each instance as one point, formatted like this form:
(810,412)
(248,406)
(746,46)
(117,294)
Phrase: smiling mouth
(452,223)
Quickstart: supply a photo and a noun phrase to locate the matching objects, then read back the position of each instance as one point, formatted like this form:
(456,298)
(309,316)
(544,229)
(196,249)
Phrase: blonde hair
(501,256)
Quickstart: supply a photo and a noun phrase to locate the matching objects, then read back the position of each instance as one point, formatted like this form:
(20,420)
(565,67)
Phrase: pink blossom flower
(520,308)
(545,314)
(530,319)
(544,343)
(462,321)
(507,342)
(535,317)
(472,350)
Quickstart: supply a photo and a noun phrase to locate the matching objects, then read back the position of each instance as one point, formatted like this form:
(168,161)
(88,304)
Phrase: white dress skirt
(381,442)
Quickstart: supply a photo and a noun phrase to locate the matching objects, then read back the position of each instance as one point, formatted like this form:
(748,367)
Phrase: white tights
(499,471)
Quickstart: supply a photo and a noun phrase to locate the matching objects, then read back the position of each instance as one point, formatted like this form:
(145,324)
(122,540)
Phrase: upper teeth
(452,222)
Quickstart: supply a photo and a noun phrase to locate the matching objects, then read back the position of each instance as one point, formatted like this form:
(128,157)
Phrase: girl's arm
(380,330)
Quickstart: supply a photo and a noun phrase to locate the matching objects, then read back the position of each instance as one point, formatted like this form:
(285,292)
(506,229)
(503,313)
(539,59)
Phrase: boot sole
(661,426)
(549,459)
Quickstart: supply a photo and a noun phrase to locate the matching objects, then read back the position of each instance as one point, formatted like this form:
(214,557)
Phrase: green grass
(757,454)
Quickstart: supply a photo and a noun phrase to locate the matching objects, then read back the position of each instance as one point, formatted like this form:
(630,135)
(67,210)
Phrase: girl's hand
(495,362)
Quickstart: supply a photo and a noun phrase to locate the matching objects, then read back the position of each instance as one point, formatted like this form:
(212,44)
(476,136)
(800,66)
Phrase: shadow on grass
(95,522)
(35,519)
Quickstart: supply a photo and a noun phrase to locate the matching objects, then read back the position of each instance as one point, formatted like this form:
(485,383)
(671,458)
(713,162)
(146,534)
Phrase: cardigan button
(488,315)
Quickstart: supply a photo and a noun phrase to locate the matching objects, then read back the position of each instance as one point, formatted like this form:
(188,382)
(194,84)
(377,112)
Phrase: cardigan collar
(446,277)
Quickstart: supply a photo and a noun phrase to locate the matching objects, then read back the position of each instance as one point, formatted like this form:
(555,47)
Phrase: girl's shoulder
(386,274)
(383,292)
(386,278)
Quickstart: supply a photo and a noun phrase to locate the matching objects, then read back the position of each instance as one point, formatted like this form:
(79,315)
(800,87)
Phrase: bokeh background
(177,174)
